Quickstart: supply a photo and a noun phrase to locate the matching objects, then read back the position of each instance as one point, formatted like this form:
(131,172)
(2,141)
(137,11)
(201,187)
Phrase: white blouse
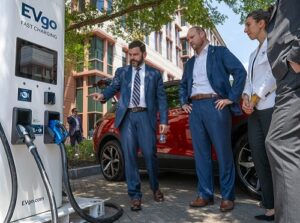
(260,80)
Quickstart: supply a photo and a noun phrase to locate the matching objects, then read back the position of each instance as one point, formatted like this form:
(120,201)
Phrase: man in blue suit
(209,98)
(75,130)
(142,95)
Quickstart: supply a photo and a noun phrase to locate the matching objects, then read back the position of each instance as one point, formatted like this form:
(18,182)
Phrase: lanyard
(252,67)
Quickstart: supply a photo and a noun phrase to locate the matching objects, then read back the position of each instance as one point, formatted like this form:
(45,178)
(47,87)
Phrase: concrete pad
(179,190)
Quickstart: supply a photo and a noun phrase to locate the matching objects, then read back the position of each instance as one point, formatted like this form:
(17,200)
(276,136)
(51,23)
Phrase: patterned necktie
(136,88)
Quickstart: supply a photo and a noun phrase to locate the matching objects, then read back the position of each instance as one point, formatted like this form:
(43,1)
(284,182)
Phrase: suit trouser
(283,147)
(137,132)
(76,137)
(258,127)
(212,126)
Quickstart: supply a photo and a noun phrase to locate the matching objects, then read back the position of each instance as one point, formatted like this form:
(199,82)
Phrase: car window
(172,96)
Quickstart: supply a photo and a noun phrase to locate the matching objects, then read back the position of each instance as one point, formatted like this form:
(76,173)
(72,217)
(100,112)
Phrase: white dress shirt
(201,83)
(262,83)
(77,128)
(142,73)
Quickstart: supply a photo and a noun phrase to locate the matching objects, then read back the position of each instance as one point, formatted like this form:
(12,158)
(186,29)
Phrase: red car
(177,153)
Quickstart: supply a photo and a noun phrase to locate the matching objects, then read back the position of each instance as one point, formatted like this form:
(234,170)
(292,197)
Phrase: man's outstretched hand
(97,96)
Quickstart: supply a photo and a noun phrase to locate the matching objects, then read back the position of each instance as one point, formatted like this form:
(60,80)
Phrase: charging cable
(60,134)
(27,135)
(13,175)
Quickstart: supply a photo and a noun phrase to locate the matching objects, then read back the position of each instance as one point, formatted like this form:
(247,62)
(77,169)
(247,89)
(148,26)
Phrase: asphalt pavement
(179,190)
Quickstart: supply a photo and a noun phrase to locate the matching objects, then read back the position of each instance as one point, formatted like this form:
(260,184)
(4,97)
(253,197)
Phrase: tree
(150,15)
(137,18)
(243,7)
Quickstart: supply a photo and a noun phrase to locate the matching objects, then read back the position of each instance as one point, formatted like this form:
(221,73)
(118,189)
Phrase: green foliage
(243,7)
(131,19)
(145,16)
(86,153)
(73,42)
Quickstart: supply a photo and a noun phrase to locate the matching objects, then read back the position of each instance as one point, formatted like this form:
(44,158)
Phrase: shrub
(86,155)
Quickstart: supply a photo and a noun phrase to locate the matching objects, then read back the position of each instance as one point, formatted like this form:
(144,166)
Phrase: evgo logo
(29,12)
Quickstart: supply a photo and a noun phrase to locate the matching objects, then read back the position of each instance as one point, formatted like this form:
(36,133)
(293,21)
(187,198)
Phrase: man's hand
(187,108)
(221,103)
(163,128)
(295,66)
(247,106)
(97,96)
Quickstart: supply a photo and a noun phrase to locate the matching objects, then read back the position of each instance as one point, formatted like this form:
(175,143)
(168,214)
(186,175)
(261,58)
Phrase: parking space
(179,190)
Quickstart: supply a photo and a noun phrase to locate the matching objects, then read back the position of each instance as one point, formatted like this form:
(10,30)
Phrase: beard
(136,63)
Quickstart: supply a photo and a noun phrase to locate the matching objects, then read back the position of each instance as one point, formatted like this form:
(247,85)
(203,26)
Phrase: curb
(84,171)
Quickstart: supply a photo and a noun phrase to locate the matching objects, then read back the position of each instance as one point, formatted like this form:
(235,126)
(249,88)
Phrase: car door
(179,141)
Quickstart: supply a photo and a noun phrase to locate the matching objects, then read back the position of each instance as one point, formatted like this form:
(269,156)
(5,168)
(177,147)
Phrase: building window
(110,58)
(178,57)
(79,98)
(92,119)
(185,47)
(158,41)
(183,22)
(79,93)
(96,54)
(177,37)
(208,34)
(98,4)
(169,49)
(93,106)
(93,80)
(169,30)
(79,82)
(147,39)
(109,5)
(124,58)
(80,5)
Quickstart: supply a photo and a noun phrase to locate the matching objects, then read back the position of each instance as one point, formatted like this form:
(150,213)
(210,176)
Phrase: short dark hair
(199,29)
(73,110)
(139,44)
(261,14)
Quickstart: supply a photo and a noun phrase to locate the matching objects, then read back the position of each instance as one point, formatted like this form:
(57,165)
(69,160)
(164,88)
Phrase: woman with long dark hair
(258,102)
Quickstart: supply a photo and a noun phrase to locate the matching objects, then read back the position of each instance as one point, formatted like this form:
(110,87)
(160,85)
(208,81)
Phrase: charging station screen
(36,62)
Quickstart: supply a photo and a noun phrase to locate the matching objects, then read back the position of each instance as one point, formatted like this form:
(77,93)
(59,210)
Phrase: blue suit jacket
(72,124)
(155,95)
(220,64)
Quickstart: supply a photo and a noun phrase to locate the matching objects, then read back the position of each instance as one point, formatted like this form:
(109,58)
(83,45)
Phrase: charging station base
(66,214)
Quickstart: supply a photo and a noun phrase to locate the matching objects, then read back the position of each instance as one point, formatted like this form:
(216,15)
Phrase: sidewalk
(179,190)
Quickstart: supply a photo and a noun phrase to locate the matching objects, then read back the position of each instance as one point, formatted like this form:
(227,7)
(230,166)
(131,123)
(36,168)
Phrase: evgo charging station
(31,86)
(31,96)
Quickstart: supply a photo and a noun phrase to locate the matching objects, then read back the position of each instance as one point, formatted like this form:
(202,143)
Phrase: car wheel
(246,172)
(112,161)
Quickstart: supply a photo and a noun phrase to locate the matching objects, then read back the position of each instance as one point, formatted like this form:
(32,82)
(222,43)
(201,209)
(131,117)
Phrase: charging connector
(26,134)
(59,130)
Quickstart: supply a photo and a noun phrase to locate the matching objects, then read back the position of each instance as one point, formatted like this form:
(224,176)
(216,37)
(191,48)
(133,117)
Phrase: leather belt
(137,109)
(203,96)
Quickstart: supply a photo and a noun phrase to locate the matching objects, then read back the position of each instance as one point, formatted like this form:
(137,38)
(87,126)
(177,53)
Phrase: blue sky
(233,34)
